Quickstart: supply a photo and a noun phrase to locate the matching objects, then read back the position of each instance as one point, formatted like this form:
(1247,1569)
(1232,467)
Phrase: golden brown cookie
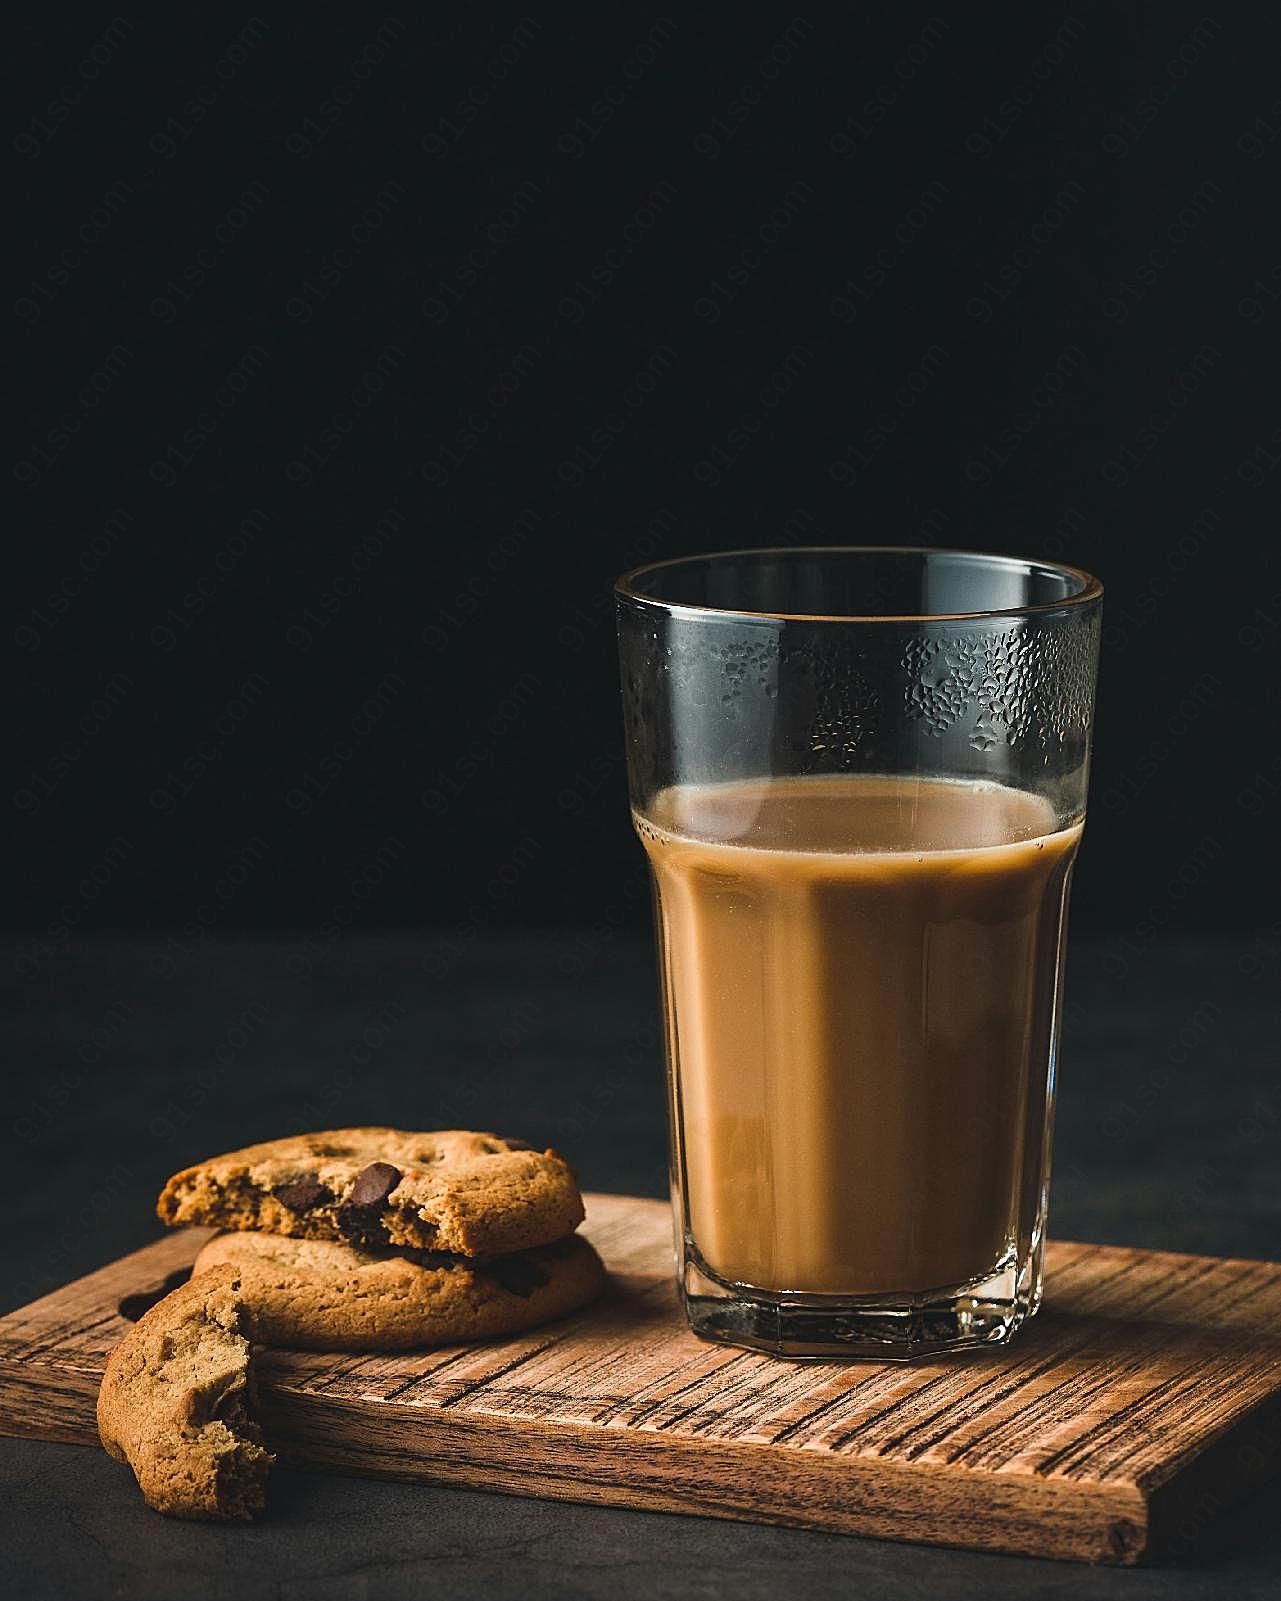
(320,1295)
(469,1194)
(175,1404)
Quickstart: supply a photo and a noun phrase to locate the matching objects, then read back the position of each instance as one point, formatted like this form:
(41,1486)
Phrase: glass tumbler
(859,776)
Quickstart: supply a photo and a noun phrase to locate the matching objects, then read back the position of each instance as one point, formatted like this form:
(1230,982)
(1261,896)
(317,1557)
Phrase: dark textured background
(364,354)
(361,355)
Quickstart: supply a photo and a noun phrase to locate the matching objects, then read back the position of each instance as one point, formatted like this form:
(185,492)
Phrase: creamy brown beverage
(862,973)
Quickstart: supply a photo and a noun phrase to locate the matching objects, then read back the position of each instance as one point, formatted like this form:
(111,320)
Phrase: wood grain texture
(1143,1400)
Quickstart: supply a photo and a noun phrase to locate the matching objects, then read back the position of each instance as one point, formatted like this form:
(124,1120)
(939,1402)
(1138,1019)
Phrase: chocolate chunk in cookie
(475,1195)
(359,1217)
(374,1184)
(303,1193)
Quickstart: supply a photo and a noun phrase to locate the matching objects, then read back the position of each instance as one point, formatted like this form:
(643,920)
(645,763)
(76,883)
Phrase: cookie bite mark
(176,1403)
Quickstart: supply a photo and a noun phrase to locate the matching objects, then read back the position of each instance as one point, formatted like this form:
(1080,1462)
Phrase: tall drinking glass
(859,776)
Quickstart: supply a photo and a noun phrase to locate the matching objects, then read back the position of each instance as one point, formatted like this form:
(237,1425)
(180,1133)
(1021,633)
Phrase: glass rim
(1090,592)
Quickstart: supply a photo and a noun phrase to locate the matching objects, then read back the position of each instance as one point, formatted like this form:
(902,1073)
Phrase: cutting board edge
(1121,1521)
(567,1462)
(1190,1498)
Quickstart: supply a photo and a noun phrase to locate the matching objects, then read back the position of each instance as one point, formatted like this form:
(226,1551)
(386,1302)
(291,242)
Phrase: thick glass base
(890,1328)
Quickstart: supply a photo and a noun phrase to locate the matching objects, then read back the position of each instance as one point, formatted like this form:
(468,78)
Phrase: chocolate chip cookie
(322,1296)
(175,1403)
(474,1195)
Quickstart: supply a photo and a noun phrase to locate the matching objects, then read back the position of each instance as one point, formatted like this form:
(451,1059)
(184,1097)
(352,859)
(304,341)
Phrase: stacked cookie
(374,1239)
(364,1239)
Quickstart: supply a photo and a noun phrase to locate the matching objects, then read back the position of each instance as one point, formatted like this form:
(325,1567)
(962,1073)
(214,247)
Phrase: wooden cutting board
(1143,1400)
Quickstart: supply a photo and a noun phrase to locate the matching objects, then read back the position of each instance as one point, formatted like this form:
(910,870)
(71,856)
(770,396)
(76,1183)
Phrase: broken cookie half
(176,1403)
(453,1190)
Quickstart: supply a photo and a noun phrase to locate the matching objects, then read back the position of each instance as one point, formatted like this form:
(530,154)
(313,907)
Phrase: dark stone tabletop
(128,1060)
